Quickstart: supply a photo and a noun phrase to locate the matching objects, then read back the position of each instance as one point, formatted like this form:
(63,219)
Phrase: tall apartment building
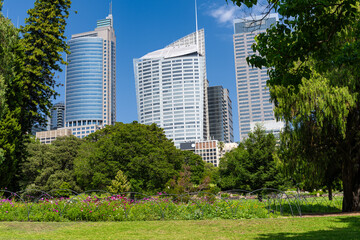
(57,119)
(253,97)
(220,114)
(171,89)
(90,97)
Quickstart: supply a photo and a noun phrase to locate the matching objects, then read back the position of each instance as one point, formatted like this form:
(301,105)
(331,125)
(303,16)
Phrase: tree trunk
(330,193)
(351,184)
(351,163)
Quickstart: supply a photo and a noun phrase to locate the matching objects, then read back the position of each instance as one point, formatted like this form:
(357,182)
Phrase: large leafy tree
(49,167)
(141,152)
(251,165)
(313,55)
(11,137)
(27,69)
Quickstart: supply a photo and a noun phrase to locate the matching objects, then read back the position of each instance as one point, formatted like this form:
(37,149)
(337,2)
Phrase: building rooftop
(171,52)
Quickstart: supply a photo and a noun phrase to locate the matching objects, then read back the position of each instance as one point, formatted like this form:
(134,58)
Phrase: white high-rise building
(171,89)
(90,97)
(253,97)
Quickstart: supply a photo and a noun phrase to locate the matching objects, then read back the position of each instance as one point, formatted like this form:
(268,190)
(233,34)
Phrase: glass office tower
(171,88)
(57,116)
(91,80)
(253,97)
(220,114)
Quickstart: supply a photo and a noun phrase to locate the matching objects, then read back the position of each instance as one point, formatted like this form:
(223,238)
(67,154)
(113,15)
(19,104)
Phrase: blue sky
(143,26)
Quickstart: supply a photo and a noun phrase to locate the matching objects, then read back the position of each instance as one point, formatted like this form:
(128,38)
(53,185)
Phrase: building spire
(110,8)
(196,33)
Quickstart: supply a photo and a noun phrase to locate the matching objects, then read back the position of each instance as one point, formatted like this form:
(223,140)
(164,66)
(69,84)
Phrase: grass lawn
(344,227)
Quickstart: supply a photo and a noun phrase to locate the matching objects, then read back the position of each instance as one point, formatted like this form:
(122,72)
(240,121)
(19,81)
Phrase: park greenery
(131,156)
(34,205)
(139,158)
(312,55)
(251,165)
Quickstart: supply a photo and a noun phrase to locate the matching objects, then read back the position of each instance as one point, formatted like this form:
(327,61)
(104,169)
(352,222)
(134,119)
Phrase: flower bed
(102,206)
(123,208)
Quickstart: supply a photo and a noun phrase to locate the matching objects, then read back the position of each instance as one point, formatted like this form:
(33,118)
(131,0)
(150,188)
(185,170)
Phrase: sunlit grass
(345,227)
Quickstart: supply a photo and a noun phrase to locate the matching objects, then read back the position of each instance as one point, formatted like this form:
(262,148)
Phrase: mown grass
(343,227)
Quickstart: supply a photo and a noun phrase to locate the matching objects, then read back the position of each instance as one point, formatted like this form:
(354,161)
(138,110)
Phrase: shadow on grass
(351,230)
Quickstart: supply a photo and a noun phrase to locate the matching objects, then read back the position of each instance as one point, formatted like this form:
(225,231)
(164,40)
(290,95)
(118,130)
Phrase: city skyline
(142,27)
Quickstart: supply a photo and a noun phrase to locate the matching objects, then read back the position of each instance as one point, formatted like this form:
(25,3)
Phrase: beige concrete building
(210,151)
(48,137)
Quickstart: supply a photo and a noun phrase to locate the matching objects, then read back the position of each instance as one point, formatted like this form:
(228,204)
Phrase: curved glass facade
(84,80)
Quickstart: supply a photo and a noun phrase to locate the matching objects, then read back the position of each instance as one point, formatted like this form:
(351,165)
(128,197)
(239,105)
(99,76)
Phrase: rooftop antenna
(196,33)
(110,7)
(110,13)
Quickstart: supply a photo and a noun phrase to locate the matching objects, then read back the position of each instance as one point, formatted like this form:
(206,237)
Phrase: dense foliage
(11,137)
(313,57)
(49,167)
(142,152)
(27,81)
(119,158)
(251,165)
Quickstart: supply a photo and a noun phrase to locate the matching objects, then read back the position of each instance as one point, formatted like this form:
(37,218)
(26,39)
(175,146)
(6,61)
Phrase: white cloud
(225,14)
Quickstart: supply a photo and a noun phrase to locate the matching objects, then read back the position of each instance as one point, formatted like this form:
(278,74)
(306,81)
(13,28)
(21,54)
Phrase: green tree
(318,165)
(251,166)
(27,82)
(142,152)
(212,172)
(43,45)
(196,164)
(313,55)
(11,137)
(120,184)
(50,167)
